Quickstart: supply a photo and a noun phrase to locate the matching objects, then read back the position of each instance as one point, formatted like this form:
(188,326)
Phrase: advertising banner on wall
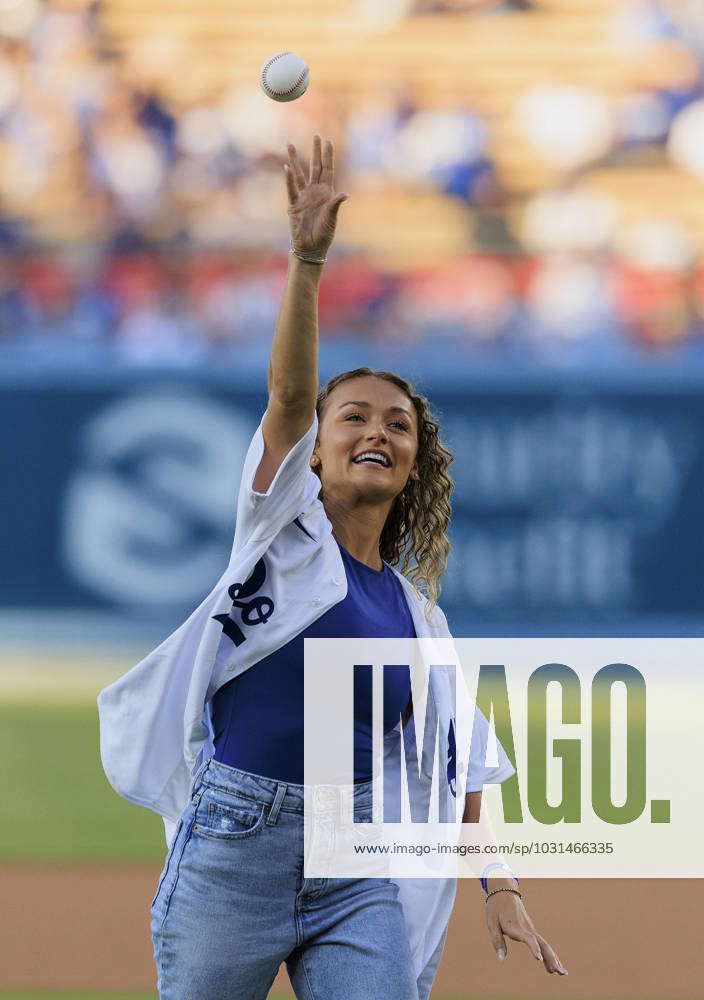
(569,506)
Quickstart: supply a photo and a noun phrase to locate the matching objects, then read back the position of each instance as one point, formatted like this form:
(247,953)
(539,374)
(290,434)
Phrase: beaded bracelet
(504,888)
(308,260)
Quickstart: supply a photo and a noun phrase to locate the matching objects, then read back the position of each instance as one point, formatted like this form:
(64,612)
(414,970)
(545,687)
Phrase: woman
(313,556)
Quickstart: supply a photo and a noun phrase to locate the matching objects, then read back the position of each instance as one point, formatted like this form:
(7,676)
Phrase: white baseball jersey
(285,571)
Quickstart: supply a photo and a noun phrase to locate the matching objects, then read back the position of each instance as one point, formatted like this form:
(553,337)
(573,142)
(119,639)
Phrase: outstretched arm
(293,366)
(506,916)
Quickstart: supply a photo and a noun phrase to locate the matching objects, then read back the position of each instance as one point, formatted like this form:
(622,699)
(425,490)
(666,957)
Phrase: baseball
(284,77)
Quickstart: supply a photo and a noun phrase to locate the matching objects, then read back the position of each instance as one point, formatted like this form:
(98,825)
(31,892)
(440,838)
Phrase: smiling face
(371,415)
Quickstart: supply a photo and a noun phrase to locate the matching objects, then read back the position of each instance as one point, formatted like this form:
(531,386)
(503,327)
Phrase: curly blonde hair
(414,532)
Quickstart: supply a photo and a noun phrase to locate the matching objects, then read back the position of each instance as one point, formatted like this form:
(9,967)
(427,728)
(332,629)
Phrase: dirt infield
(86,927)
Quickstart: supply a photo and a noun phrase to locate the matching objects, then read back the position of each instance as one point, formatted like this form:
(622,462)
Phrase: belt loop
(276,804)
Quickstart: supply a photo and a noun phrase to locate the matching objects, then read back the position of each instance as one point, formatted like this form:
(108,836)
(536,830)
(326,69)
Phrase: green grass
(57,803)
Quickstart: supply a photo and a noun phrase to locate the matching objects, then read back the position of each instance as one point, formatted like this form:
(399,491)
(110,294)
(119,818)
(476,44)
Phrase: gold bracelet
(504,888)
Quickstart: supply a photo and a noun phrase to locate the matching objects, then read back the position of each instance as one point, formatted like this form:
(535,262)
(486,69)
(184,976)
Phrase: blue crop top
(258,716)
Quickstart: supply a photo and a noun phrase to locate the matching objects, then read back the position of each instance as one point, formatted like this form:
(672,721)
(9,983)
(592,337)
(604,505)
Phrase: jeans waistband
(286,795)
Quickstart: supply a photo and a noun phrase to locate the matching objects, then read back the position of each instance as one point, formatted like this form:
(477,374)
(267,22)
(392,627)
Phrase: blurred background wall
(577,506)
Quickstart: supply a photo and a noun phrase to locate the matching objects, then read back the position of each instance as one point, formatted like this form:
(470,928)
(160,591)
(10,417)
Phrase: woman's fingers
(550,957)
(526,935)
(497,939)
(316,165)
(327,173)
(516,924)
(291,187)
(321,164)
(298,174)
(334,207)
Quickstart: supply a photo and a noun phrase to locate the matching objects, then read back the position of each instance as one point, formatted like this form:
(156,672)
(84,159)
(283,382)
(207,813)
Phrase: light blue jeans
(232,904)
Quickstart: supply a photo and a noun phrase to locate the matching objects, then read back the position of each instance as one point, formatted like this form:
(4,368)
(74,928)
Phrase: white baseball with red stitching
(284,77)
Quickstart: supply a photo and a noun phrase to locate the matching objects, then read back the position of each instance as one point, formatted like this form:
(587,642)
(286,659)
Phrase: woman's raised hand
(312,203)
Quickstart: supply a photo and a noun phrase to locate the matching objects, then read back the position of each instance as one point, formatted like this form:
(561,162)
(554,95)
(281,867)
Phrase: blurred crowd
(153,230)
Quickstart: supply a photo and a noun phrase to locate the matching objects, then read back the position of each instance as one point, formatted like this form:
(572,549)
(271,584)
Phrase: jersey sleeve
(293,490)
(488,761)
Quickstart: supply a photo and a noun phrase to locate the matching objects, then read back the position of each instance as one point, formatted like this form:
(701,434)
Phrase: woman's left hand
(506,916)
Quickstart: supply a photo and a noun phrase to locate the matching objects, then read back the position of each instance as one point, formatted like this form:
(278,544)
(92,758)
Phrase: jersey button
(315,601)
(337,581)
